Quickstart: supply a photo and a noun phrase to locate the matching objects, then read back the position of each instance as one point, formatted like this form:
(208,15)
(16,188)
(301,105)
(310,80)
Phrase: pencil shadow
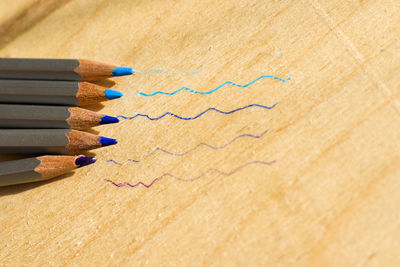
(92,131)
(95,107)
(105,83)
(19,188)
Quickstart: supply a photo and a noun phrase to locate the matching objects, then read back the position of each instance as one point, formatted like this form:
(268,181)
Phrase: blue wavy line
(215,89)
(170,73)
(197,116)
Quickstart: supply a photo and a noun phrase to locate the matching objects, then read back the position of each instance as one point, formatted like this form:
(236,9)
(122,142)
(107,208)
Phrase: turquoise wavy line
(170,73)
(215,89)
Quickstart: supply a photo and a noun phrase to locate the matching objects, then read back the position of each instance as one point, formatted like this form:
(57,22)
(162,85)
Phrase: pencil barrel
(19,171)
(47,117)
(39,92)
(67,93)
(40,168)
(58,69)
(33,117)
(18,141)
(47,141)
(39,69)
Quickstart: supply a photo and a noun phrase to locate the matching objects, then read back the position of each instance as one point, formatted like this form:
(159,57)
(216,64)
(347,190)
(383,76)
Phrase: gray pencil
(50,117)
(58,69)
(40,168)
(54,92)
(49,141)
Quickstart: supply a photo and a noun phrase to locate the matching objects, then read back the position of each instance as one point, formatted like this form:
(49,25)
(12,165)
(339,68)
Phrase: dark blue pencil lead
(104,141)
(84,161)
(108,119)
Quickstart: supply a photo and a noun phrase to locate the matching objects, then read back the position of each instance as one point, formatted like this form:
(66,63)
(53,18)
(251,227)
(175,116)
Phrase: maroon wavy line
(191,179)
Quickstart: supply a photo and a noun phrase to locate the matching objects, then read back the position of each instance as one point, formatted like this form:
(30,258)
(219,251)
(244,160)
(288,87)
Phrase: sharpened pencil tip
(107,141)
(82,161)
(108,119)
(122,71)
(112,94)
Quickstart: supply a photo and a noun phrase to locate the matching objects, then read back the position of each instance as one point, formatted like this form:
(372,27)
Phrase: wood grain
(331,198)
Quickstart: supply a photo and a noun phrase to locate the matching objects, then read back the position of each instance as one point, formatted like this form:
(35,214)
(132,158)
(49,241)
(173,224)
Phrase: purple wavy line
(187,152)
(191,179)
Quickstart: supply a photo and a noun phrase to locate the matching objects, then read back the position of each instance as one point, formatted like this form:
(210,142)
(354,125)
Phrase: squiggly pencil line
(184,153)
(191,179)
(197,116)
(170,73)
(215,89)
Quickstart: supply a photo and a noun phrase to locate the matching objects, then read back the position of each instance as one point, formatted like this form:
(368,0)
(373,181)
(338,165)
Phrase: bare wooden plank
(328,200)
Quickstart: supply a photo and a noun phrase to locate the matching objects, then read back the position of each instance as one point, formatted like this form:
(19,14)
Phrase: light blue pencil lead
(122,71)
(112,94)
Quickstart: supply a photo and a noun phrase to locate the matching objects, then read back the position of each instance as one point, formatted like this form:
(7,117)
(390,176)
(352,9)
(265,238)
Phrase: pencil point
(112,94)
(122,71)
(108,119)
(82,161)
(107,141)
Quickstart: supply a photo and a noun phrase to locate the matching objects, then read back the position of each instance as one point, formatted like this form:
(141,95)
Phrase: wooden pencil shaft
(68,93)
(19,171)
(89,93)
(53,69)
(33,141)
(46,117)
(49,141)
(39,69)
(32,117)
(39,168)
(39,92)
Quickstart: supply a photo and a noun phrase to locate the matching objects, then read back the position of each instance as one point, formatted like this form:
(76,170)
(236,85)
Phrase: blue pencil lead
(108,119)
(107,141)
(84,161)
(112,94)
(122,71)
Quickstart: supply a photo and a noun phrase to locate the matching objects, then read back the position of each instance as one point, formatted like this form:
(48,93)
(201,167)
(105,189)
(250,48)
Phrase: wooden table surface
(331,195)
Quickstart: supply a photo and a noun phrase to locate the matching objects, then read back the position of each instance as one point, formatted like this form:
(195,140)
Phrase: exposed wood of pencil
(81,141)
(90,70)
(81,119)
(53,141)
(51,92)
(54,69)
(53,166)
(90,93)
(35,169)
(47,117)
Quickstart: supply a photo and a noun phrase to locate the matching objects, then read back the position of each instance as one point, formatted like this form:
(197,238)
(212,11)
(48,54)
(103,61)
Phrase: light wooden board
(331,198)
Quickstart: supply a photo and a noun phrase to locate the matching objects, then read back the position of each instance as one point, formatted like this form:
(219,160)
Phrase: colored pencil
(59,69)
(67,93)
(50,117)
(40,168)
(49,141)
